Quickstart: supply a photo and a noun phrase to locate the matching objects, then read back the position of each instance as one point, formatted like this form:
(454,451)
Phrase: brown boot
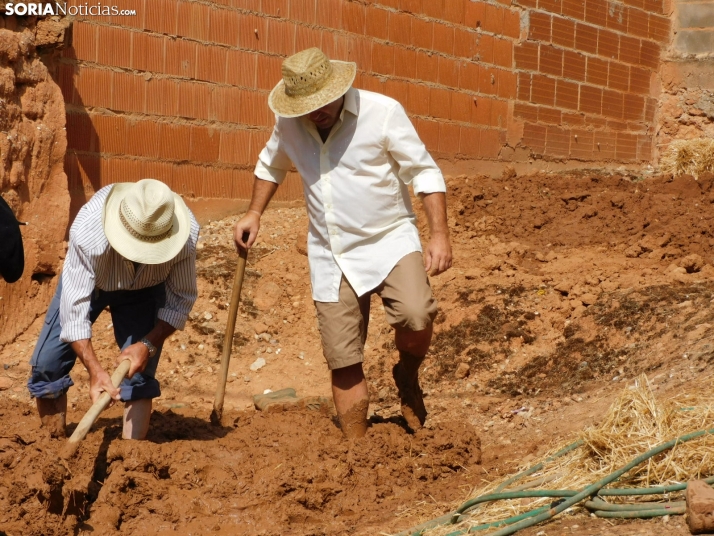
(53,412)
(406,377)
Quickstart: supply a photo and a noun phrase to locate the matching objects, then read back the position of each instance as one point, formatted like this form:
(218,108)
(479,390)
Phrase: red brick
(507,84)
(511,24)
(448,72)
(551,60)
(114,46)
(225,104)
(616,125)
(80,134)
(359,50)
(597,71)
(619,76)
(329,14)
(581,144)
(91,87)
(656,6)
(571,118)
(573,66)
(526,3)
(205,143)
(217,183)
(526,111)
(193,20)
(526,56)
(223,26)
(181,58)
(404,62)
(429,133)
(334,45)
(650,54)
(603,145)
(651,106)
(461,104)
(383,59)
(638,23)
(211,63)
(493,19)
(162,97)
(490,143)
(84,41)
(566,95)
(596,12)
(444,38)
(400,28)
(470,144)
(302,10)
(433,8)
(422,33)
(499,113)
(376,22)
(440,103)
(543,91)
(524,86)
(174,141)
(396,89)
(636,3)
(248,38)
(449,137)
(586,38)
(629,49)
(427,66)
(551,6)
(557,142)
(241,68)
(453,11)
(474,14)
(634,107)
(617,16)
(128,92)
(626,148)
(269,72)
(534,137)
(188,178)
(658,28)
(162,17)
(410,6)
(487,80)
(484,47)
(133,21)
(563,32)
(306,37)
(418,99)
(613,104)
(639,80)
(574,9)
(193,100)
(590,100)
(243,184)
(503,52)
(353,17)
(549,115)
(464,43)
(608,44)
(369,82)
(540,26)
(143,138)
(281,37)
(66,82)
(481,111)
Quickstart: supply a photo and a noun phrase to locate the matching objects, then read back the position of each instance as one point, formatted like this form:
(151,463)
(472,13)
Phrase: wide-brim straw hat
(146,222)
(310,81)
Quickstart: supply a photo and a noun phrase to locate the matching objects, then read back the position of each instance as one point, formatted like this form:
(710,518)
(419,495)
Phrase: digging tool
(217,413)
(93,413)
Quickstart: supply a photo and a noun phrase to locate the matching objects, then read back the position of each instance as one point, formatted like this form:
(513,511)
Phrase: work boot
(53,415)
(406,377)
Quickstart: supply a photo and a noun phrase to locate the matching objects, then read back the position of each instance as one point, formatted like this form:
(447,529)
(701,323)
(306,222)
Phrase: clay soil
(565,287)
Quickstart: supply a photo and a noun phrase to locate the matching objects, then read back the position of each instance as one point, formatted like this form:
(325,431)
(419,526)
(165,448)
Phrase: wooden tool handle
(93,412)
(217,412)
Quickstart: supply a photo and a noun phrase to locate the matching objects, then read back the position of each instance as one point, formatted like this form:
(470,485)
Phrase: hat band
(142,237)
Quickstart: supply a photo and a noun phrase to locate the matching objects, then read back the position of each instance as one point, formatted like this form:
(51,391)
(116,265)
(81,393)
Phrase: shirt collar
(350,104)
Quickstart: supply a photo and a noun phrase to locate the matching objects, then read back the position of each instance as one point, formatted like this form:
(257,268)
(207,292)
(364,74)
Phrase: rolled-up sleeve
(416,166)
(181,287)
(273,163)
(77,288)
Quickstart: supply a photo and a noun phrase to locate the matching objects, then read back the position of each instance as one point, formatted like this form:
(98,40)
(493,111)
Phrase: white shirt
(355,186)
(92,263)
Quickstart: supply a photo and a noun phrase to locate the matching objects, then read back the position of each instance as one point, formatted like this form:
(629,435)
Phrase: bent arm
(249,224)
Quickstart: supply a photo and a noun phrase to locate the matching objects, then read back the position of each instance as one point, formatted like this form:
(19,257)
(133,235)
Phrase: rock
(207,315)
(267,295)
(257,364)
(563,286)
(691,263)
(700,507)
(462,371)
(259,328)
(588,299)
(283,395)
(491,263)
(5,383)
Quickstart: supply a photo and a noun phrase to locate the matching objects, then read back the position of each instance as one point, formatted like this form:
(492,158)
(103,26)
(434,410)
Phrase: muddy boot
(53,412)
(406,376)
(354,422)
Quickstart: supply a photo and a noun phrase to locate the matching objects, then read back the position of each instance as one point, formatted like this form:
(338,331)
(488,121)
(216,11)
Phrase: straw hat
(310,81)
(146,222)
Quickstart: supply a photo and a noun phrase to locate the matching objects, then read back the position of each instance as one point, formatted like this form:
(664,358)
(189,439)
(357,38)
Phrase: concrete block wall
(695,27)
(179,91)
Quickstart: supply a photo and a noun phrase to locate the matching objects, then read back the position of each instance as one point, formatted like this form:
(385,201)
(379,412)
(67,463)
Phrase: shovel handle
(217,413)
(93,412)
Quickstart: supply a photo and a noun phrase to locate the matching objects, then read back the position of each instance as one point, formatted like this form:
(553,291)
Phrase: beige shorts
(407,300)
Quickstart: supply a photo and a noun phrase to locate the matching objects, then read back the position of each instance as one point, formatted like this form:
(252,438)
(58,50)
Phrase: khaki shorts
(407,300)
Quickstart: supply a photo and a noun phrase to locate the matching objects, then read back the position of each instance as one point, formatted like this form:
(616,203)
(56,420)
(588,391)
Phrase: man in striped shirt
(132,248)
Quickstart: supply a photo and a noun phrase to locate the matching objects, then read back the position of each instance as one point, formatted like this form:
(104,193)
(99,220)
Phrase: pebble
(257,364)
(207,315)
(301,355)
(201,347)
(5,383)
(246,379)
(210,370)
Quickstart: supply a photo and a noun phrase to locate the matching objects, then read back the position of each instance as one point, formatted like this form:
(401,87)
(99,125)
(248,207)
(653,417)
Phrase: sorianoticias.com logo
(61,8)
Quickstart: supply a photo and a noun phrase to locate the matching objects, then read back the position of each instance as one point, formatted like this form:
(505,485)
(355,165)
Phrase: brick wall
(695,27)
(179,91)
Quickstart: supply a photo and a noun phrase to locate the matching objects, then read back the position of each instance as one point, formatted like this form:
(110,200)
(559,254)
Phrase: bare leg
(349,391)
(412,346)
(136,418)
(53,414)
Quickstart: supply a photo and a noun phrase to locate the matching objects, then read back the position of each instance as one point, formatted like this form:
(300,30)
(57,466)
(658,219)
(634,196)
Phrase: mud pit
(564,288)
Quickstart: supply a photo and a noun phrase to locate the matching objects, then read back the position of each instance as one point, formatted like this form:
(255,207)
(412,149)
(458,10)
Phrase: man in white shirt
(356,152)
(132,248)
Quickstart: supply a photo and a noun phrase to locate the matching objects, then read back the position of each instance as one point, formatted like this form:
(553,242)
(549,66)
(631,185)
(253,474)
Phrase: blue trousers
(134,315)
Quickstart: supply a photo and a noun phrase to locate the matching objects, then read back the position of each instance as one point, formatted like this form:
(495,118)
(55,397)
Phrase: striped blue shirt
(92,263)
